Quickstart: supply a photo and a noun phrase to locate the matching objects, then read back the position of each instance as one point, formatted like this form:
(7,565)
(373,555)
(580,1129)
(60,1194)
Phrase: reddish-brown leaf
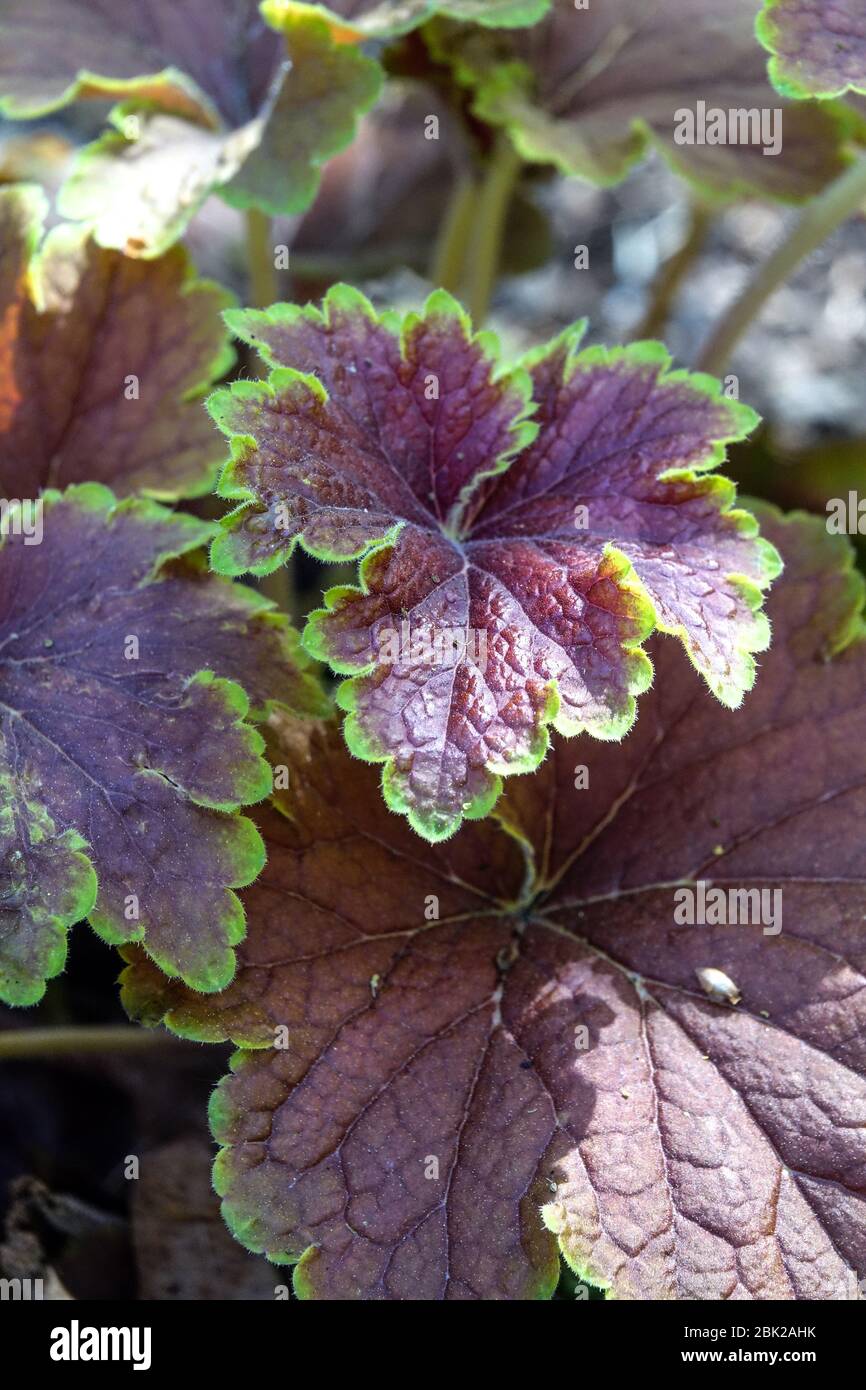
(423,1107)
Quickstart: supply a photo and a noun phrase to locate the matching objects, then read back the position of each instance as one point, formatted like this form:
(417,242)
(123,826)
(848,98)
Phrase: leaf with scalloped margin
(463,510)
(47,884)
(682,1148)
(211,98)
(128,764)
(354,20)
(592,91)
(818,47)
(75,323)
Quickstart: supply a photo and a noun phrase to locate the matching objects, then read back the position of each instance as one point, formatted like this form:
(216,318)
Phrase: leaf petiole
(485,248)
(449,254)
(260,260)
(51,1042)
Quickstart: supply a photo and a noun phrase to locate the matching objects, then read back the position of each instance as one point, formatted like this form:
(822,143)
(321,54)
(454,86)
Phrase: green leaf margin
(254,782)
(280,379)
(767,31)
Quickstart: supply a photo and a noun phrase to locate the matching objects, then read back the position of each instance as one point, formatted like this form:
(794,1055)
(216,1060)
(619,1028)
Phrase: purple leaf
(105,360)
(818,46)
(512,566)
(212,98)
(460,1058)
(124,754)
(593,90)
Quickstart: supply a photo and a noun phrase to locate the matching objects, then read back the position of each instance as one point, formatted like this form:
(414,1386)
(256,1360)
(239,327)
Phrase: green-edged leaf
(212,98)
(818,47)
(827,477)
(104,362)
(47,883)
(353,20)
(592,90)
(447,1075)
(139,184)
(345,865)
(124,752)
(511,566)
(329,86)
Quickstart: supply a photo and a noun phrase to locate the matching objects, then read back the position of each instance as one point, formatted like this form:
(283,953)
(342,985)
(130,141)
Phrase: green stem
(449,255)
(482,266)
(260,260)
(673,272)
(51,1042)
(839,201)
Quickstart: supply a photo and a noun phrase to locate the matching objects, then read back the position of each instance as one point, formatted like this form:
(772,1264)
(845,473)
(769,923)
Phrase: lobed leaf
(104,362)
(47,884)
(531,557)
(212,98)
(818,47)
(124,751)
(591,91)
(447,1077)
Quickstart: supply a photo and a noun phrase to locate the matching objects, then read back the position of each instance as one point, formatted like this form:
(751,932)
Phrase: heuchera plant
(211,100)
(476,497)
(70,313)
(542,1032)
(594,993)
(124,752)
(592,98)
